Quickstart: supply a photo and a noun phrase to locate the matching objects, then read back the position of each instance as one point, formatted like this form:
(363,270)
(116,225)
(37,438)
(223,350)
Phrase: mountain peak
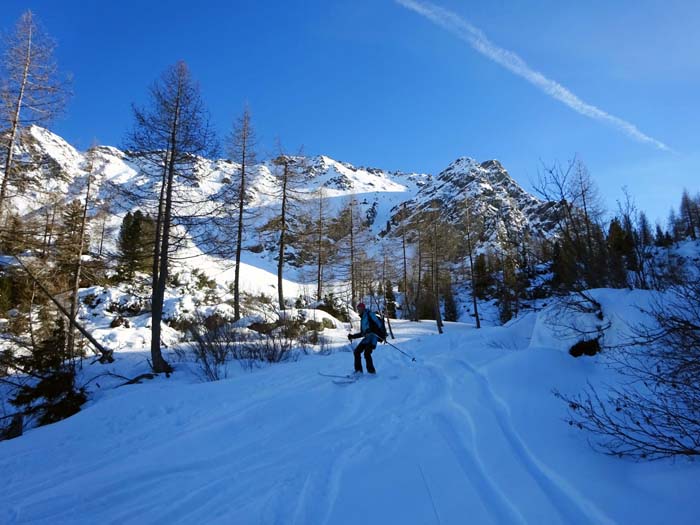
(492,164)
(462,164)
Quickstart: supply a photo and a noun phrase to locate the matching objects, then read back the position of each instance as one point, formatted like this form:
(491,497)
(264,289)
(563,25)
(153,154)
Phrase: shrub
(335,307)
(585,347)
(655,412)
(54,396)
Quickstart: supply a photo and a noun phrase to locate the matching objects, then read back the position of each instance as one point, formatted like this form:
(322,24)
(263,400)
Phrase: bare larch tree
(288,171)
(174,129)
(242,142)
(31,91)
(80,248)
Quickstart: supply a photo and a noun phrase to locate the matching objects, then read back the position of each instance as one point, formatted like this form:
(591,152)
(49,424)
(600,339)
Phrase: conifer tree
(689,216)
(390,299)
(451,313)
(134,244)
(82,242)
(472,230)
(241,149)
(620,246)
(322,245)
(348,233)
(289,173)
(174,129)
(581,241)
(68,238)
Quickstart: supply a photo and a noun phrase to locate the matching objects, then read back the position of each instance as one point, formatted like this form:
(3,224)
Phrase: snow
(469,432)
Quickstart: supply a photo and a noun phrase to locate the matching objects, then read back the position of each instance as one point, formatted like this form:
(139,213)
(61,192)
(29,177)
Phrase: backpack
(377,326)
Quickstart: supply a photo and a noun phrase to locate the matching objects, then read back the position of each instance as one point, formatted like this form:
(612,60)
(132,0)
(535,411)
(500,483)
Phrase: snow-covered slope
(468,433)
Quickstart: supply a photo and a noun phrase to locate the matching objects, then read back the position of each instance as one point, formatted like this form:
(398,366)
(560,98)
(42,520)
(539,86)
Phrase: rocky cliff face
(489,192)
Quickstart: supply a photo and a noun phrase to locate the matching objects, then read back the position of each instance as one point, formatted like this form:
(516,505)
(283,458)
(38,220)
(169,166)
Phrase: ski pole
(404,353)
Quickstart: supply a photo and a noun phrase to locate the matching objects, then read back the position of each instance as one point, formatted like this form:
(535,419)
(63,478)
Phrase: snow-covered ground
(468,433)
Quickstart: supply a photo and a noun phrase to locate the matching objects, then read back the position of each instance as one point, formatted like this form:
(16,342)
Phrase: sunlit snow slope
(468,433)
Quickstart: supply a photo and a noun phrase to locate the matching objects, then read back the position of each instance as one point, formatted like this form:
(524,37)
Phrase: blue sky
(374,83)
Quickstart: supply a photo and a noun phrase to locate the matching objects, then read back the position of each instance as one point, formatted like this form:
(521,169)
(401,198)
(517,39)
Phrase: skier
(369,325)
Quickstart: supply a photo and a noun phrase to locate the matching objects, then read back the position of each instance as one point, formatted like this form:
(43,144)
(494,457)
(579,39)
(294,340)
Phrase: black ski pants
(367,349)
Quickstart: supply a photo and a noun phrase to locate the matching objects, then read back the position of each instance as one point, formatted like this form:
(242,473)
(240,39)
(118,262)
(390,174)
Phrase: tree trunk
(283,228)
(405,276)
(471,268)
(70,343)
(15,123)
(159,223)
(319,265)
(436,280)
(239,239)
(353,289)
(102,235)
(45,242)
(158,363)
(416,299)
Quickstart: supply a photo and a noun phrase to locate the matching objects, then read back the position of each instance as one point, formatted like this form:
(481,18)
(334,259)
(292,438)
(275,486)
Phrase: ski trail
(330,486)
(571,505)
(493,499)
(462,446)
(301,508)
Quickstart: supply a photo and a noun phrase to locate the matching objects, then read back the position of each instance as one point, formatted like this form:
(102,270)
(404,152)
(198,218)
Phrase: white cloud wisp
(512,62)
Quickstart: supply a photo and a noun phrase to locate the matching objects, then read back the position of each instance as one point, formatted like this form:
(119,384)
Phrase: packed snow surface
(469,432)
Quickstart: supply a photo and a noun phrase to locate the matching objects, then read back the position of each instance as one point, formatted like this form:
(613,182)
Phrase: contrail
(512,62)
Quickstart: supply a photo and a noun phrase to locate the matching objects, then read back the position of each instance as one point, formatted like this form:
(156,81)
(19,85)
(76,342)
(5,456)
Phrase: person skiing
(369,324)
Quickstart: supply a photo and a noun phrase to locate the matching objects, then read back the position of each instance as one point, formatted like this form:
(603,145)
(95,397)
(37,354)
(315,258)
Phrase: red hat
(360,305)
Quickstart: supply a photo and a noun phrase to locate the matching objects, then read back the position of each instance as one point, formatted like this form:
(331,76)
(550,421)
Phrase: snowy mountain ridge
(51,164)
(493,197)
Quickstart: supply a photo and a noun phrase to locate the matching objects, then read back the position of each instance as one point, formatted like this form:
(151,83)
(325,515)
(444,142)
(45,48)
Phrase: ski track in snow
(458,434)
(457,427)
(424,442)
(572,507)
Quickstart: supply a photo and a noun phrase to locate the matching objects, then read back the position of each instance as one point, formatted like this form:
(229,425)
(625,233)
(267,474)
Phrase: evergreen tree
(55,395)
(390,299)
(620,248)
(482,278)
(15,238)
(68,240)
(450,304)
(564,268)
(508,296)
(134,244)
(675,226)
(661,237)
(688,216)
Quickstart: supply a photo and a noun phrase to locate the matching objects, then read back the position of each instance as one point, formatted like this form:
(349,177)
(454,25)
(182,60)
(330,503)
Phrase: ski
(346,376)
